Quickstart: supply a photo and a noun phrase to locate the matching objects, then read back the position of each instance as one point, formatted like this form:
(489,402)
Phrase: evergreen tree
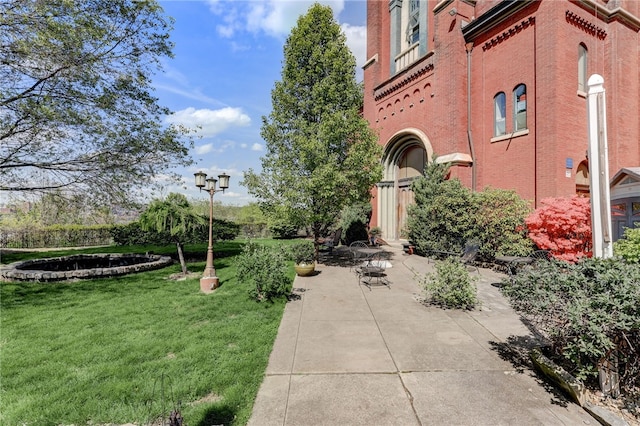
(321,153)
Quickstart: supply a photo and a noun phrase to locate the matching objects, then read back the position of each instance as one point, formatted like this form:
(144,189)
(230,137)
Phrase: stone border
(16,271)
(573,388)
(569,384)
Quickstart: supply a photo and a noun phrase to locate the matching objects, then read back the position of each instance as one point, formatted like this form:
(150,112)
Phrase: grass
(129,349)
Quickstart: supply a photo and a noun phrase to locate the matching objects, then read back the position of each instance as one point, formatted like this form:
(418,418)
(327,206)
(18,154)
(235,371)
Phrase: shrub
(303,251)
(442,217)
(446,214)
(223,230)
(500,223)
(562,226)
(264,268)
(254,230)
(353,220)
(588,311)
(133,234)
(283,230)
(629,246)
(56,236)
(451,286)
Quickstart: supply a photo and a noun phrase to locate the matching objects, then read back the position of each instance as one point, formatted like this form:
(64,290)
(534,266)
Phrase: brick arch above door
(405,156)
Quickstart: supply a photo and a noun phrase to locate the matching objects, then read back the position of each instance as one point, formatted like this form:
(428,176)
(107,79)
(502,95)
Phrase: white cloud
(357,42)
(204,149)
(174,81)
(215,170)
(208,122)
(257,147)
(273,17)
(232,194)
(277,17)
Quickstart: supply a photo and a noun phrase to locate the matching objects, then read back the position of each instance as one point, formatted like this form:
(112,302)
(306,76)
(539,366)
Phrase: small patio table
(369,252)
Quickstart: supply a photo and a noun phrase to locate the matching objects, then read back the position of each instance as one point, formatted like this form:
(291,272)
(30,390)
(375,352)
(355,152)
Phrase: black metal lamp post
(209,280)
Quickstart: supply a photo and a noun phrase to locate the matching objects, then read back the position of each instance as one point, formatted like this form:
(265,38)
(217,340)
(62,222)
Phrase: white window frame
(583,55)
(520,107)
(499,114)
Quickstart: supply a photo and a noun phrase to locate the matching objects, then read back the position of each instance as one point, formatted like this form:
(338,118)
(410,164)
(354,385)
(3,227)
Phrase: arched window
(408,32)
(520,107)
(413,26)
(500,112)
(582,68)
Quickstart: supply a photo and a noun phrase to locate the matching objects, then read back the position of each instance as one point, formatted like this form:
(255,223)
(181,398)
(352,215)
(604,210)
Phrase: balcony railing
(406,58)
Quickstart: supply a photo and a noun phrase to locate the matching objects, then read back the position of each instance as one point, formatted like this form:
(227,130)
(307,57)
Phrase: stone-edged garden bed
(82,266)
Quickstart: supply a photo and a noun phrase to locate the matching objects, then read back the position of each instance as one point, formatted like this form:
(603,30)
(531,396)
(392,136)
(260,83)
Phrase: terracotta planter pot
(305,269)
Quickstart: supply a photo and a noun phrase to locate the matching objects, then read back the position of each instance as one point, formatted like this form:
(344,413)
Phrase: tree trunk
(183,264)
(316,240)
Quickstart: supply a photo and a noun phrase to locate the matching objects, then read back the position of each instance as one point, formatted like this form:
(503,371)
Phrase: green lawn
(129,349)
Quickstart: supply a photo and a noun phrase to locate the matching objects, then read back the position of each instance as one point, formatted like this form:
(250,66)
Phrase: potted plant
(374,233)
(303,254)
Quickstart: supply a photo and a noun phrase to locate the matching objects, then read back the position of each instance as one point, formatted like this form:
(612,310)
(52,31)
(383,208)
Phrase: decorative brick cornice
(413,74)
(608,13)
(585,25)
(509,33)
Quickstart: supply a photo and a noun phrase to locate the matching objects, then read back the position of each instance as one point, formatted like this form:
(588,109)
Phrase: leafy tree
(321,154)
(251,213)
(76,109)
(174,215)
(562,226)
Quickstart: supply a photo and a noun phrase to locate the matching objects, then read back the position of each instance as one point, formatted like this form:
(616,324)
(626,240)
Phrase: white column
(599,168)
(386,213)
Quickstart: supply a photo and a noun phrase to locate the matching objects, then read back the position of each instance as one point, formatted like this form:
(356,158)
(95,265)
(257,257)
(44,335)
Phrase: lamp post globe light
(209,280)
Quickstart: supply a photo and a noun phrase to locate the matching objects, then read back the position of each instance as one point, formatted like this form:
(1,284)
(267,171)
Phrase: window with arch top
(413,26)
(520,107)
(582,68)
(499,114)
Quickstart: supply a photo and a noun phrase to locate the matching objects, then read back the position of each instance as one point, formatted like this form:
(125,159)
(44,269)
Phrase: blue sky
(228,55)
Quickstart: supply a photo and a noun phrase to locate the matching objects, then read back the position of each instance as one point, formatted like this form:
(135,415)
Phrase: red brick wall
(538,46)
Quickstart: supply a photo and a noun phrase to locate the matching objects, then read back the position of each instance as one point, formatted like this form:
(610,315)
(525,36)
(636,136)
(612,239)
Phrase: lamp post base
(208,284)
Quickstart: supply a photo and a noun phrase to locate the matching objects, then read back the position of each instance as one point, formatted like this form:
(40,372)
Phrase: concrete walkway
(349,355)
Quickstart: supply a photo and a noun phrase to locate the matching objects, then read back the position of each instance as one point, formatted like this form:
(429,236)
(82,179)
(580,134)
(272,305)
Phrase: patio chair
(471,249)
(468,255)
(356,255)
(527,262)
(333,240)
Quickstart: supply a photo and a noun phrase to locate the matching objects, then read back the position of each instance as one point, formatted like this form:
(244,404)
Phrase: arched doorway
(405,157)
(582,179)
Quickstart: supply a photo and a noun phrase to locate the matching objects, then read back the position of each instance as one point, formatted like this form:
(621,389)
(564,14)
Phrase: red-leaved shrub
(562,226)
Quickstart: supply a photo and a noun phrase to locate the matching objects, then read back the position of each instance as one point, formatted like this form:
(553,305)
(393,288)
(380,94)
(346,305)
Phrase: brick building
(498,89)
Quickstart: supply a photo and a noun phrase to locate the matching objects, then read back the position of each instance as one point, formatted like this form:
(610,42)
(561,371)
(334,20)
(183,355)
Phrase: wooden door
(405,198)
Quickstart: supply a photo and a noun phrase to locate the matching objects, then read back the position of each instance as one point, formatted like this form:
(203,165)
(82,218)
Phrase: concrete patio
(347,354)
